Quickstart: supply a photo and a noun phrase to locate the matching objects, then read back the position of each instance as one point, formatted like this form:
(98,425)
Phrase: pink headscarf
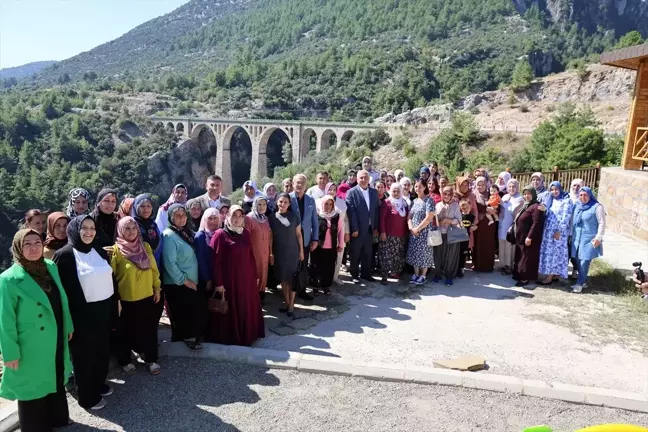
(134,250)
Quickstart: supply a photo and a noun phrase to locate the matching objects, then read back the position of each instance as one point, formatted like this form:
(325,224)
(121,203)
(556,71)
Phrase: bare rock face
(418,115)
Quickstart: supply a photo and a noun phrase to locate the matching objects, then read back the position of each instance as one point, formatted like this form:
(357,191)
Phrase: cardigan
(28,333)
(134,283)
(205,256)
(179,259)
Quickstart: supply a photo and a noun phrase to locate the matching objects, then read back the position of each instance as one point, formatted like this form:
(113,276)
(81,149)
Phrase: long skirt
(527,260)
(188,310)
(446,258)
(138,331)
(506,253)
(484,247)
(323,266)
(392,255)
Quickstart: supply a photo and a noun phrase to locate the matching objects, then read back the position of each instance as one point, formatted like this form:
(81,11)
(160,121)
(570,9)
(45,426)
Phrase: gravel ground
(484,315)
(204,395)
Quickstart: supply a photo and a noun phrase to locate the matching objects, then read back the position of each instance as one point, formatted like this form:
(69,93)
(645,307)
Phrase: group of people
(89,283)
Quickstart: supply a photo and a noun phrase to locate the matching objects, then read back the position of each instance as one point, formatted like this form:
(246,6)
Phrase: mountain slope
(25,70)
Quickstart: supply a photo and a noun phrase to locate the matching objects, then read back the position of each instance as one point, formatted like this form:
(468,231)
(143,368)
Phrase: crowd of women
(92,282)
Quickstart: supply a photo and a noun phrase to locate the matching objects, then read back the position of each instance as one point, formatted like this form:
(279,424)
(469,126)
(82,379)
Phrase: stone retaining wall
(624,194)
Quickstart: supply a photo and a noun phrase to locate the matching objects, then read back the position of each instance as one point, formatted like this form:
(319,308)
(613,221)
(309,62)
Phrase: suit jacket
(357,212)
(204,201)
(309,223)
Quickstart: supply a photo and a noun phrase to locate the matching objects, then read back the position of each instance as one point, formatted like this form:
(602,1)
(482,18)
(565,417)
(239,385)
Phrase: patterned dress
(419,254)
(554,253)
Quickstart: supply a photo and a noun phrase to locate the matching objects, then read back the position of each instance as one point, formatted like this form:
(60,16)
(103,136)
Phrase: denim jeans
(583,270)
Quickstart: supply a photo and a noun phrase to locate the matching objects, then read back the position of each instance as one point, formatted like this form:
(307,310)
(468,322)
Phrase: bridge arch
(346,136)
(237,153)
(180,127)
(271,146)
(327,139)
(170,126)
(196,130)
(309,141)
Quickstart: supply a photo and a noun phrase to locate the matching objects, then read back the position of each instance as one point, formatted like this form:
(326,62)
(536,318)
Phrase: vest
(323,226)
(583,234)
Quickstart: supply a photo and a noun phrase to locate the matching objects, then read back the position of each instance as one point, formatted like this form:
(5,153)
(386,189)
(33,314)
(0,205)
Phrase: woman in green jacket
(35,327)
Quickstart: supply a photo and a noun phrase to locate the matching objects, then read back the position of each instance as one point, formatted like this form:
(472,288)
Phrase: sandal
(193,345)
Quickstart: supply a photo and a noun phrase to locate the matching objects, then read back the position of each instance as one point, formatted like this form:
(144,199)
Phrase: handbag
(300,277)
(510,234)
(434,235)
(457,235)
(219,306)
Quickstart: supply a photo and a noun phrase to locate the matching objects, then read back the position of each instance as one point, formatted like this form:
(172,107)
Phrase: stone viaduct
(299,134)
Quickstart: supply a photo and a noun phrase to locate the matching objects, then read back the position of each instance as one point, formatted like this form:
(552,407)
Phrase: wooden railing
(590,176)
(640,148)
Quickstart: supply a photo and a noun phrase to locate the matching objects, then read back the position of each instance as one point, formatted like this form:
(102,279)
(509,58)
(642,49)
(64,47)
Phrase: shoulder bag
(457,234)
(434,234)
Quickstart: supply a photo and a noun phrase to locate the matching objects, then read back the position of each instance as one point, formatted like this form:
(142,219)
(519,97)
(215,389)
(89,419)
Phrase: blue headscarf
(148,228)
(425,170)
(581,208)
(549,198)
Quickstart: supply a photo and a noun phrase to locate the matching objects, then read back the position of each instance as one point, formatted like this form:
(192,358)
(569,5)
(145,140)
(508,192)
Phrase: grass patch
(603,277)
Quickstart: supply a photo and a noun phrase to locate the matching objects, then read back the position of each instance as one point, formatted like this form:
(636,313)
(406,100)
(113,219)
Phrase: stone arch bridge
(299,134)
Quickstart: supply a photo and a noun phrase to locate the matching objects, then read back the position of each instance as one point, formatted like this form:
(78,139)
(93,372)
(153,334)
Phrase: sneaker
(100,405)
(421,280)
(413,279)
(356,281)
(448,282)
(129,368)
(577,288)
(107,390)
(154,368)
(436,280)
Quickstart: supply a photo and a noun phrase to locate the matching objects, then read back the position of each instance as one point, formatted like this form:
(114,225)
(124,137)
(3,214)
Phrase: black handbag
(510,234)
(457,235)
(300,277)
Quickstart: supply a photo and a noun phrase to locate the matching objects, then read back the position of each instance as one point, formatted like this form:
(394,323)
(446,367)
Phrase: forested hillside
(351,59)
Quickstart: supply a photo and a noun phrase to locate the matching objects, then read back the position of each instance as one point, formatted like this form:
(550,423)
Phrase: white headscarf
(254,214)
(321,211)
(398,203)
(252,184)
(203,223)
(572,195)
(505,176)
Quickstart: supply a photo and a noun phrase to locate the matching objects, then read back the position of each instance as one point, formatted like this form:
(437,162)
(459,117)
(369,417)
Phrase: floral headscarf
(254,214)
(36,269)
(204,226)
(73,195)
(172,199)
(52,242)
(321,210)
(398,203)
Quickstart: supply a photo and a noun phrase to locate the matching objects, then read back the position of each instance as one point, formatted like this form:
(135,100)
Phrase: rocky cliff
(621,15)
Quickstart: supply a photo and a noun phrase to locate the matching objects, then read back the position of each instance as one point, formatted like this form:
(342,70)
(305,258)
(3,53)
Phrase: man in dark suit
(304,205)
(362,211)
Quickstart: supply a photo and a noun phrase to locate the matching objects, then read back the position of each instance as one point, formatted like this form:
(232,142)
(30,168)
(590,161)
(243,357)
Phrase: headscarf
(74,235)
(50,241)
(133,251)
(482,197)
(228,220)
(540,188)
(398,171)
(266,187)
(172,199)
(505,176)
(252,184)
(36,269)
(107,223)
(461,180)
(425,169)
(445,206)
(73,195)
(549,199)
(203,224)
(321,211)
(254,214)
(580,207)
(340,203)
(398,203)
(573,196)
(508,195)
(125,207)
(148,228)
(527,204)
(184,232)
(195,222)
(284,182)
(404,181)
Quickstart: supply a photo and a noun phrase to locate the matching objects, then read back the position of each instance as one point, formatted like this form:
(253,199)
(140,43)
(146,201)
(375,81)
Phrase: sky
(36,30)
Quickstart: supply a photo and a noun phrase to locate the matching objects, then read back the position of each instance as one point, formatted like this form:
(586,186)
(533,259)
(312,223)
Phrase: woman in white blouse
(87,279)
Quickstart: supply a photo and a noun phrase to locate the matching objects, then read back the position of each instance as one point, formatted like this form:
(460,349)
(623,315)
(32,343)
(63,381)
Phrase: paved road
(204,395)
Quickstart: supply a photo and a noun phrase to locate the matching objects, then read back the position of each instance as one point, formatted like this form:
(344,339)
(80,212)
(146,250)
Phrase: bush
(409,150)
(524,108)
(400,142)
